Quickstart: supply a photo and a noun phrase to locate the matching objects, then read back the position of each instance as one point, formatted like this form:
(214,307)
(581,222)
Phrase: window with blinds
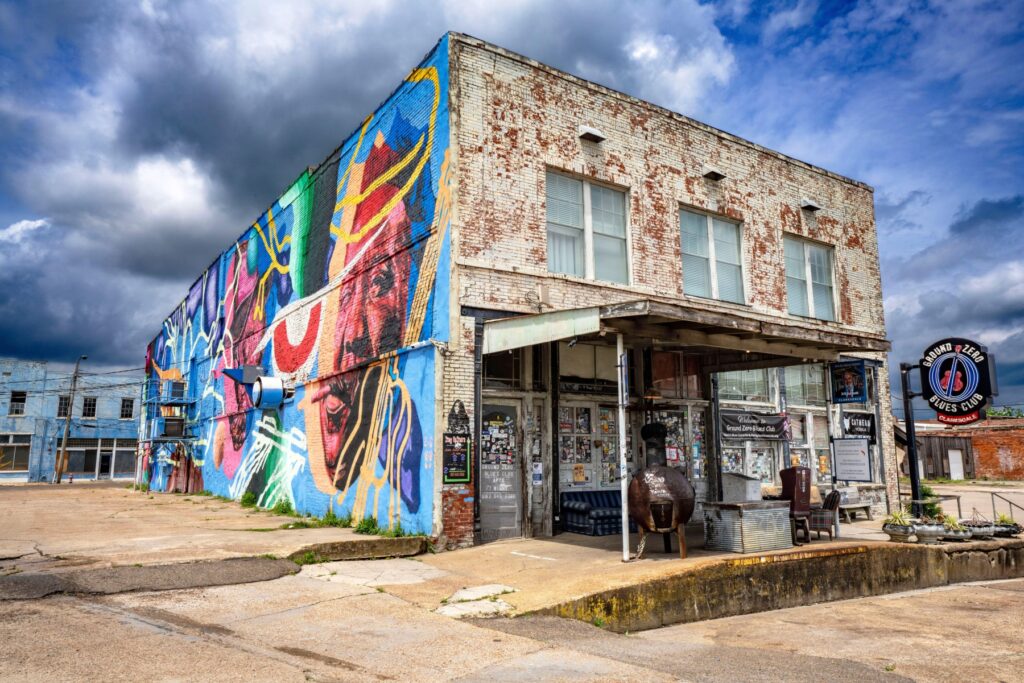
(809,279)
(712,257)
(586,229)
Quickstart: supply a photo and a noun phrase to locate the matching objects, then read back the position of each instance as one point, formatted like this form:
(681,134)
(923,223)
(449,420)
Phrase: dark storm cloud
(150,135)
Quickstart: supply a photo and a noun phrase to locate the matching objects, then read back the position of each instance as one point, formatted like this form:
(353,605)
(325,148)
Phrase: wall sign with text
(848,380)
(456,458)
(957,379)
(743,426)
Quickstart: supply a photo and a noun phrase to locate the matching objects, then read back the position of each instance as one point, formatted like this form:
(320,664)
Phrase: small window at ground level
(18,399)
(127,408)
(503,370)
(89,406)
(744,385)
(14,452)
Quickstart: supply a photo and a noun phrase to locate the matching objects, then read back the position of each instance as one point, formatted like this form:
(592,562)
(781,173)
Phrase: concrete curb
(158,577)
(759,583)
(370,548)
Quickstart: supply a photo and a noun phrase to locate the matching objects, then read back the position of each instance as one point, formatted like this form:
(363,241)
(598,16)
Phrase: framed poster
(852,459)
(456,458)
(848,380)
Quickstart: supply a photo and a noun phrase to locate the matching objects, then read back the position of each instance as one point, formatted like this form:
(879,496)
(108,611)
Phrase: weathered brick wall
(457,500)
(998,449)
(515,118)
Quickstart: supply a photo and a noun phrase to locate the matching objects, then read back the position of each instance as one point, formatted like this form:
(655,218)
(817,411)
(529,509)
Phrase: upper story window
(18,399)
(586,229)
(89,406)
(712,257)
(63,406)
(744,385)
(809,280)
(805,385)
(127,408)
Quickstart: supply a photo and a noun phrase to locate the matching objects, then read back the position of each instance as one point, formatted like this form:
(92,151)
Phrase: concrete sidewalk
(95,524)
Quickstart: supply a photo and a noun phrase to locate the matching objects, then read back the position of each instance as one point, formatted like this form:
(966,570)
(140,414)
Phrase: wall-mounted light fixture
(712,173)
(591,134)
(810,205)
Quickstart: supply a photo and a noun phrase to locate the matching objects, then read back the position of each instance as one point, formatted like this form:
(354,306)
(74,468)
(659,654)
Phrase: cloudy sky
(139,139)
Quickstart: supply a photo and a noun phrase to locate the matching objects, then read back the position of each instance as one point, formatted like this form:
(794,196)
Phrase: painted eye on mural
(383,281)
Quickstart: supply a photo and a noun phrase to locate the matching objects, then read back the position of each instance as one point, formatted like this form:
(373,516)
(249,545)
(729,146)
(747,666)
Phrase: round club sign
(957,379)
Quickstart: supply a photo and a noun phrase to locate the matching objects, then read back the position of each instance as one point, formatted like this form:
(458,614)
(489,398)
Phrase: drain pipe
(623,400)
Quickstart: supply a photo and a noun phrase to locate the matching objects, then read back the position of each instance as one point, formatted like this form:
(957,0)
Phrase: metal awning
(728,340)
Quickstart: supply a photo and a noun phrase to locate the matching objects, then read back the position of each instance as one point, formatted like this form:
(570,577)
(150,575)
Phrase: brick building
(436,309)
(35,403)
(989,449)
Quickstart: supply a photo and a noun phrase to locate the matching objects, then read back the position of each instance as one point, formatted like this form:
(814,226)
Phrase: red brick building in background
(990,449)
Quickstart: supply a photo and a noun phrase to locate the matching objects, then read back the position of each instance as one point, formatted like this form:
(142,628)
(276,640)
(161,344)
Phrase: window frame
(95,406)
(63,405)
(808,277)
(589,264)
(7,439)
(131,403)
(23,403)
(712,255)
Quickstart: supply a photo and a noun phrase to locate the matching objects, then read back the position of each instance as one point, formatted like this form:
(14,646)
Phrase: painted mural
(341,289)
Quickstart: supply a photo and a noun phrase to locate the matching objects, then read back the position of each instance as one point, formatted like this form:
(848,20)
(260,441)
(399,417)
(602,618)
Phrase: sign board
(738,425)
(456,458)
(957,379)
(852,459)
(859,425)
(848,380)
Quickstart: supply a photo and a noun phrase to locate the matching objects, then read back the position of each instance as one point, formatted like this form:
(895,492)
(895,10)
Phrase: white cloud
(15,232)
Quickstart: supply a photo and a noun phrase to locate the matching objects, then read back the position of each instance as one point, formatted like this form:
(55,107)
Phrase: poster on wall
(853,459)
(848,380)
(455,458)
(739,425)
(860,425)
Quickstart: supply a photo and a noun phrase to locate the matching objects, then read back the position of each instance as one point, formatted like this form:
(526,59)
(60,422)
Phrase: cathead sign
(958,377)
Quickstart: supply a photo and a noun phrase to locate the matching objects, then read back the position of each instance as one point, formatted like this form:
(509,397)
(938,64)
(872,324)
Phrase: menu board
(456,458)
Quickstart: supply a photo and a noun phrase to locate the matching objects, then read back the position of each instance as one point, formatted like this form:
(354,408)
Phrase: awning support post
(623,368)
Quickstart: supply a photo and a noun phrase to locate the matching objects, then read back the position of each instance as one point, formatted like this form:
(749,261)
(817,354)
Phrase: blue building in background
(35,402)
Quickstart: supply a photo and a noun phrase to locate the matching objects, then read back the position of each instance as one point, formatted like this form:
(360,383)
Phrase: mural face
(337,289)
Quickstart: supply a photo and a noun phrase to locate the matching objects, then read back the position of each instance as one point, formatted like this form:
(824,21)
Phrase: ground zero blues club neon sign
(957,379)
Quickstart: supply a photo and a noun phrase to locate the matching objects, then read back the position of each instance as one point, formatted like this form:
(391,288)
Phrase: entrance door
(104,469)
(501,462)
(956,464)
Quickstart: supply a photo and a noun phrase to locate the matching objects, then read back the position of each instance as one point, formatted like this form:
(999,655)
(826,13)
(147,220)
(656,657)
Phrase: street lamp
(62,460)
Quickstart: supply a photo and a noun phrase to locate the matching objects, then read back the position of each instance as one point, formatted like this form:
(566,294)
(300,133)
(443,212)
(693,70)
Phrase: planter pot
(981,530)
(956,535)
(1006,530)
(929,534)
(898,533)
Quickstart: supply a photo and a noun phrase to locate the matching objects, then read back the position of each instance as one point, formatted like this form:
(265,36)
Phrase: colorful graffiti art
(341,290)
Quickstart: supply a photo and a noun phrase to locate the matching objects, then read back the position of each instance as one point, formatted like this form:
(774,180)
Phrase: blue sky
(140,138)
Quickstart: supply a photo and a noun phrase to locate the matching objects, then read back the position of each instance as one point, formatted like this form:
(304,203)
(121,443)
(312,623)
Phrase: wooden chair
(825,517)
(796,488)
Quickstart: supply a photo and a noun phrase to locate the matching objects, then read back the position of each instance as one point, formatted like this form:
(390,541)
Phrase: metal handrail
(938,498)
(1001,497)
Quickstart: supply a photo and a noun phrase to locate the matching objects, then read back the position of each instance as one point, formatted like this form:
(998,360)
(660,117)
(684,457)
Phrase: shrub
(248,499)
(367,525)
(283,507)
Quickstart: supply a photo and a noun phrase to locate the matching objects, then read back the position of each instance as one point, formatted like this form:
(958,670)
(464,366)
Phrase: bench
(594,513)
(850,508)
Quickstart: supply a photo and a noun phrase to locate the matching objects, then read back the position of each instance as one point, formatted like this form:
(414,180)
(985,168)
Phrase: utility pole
(62,460)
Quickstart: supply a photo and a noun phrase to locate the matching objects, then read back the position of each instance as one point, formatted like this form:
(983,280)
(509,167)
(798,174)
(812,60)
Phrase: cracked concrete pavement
(104,607)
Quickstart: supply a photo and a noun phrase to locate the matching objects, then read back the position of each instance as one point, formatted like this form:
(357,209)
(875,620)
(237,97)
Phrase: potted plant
(979,526)
(1005,527)
(954,530)
(929,530)
(898,526)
